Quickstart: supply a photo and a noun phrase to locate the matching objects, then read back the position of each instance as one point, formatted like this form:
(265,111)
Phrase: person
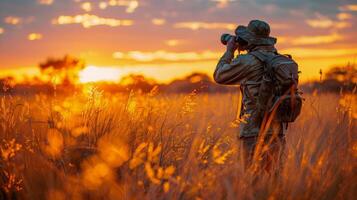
(247,71)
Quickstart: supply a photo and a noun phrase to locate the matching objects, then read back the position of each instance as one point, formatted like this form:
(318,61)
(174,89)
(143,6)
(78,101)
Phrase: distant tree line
(61,75)
(336,79)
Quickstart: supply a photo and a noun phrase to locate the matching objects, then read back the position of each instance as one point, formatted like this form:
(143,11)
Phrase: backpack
(278,91)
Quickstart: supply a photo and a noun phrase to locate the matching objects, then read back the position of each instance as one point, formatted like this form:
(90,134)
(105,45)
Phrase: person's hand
(232,46)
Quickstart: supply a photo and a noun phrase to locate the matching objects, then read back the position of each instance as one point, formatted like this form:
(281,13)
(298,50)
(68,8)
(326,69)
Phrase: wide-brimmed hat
(256,33)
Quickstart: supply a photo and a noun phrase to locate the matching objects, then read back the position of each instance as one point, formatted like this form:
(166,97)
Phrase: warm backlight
(96,74)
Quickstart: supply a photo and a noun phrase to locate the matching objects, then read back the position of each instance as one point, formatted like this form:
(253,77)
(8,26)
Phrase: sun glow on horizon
(97,74)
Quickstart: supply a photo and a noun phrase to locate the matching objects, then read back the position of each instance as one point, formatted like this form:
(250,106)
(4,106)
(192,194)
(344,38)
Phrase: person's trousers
(265,153)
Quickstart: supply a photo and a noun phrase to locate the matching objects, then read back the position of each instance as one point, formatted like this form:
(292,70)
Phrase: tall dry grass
(156,146)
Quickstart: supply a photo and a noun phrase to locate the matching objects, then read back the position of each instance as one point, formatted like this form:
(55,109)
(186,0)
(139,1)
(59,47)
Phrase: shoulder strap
(266,59)
(263,58)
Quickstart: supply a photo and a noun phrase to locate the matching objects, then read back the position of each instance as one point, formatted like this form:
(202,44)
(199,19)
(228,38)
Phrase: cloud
(320,23)
(344,16)
(222,3)
(162,55)
(131,5)
(324,22)
(45,2)
(158,21)
(320,52)
(118,55)
(13,20)
(319,39)
(194,25)
(86,6)
(89,21)
(34,36)
(172,43)
(103,5)
(350,7)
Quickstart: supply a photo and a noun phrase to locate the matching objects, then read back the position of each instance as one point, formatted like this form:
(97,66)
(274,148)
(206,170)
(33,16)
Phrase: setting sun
(95,74)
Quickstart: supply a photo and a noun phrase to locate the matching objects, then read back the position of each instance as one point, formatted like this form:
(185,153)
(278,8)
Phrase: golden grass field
(155,146)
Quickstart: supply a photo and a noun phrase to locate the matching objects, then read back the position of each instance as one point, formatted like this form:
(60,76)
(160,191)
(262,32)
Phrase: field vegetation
(92,145)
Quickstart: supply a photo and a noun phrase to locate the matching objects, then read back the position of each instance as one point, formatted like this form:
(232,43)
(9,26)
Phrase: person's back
(248,71)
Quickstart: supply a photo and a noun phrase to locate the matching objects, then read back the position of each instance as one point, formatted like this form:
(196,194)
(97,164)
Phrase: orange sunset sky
(166,39)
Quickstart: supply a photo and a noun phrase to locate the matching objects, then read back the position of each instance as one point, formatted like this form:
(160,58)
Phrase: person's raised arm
(228,70)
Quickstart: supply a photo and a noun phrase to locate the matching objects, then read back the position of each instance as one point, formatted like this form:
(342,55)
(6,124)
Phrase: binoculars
(226,37)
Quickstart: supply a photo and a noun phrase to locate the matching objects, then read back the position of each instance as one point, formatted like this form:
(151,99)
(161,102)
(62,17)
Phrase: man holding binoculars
(250,72)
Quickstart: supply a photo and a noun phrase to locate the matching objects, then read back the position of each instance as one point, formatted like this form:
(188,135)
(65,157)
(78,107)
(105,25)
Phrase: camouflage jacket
(247,71)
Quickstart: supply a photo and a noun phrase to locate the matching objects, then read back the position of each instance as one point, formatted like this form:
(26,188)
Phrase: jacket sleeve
(231,71)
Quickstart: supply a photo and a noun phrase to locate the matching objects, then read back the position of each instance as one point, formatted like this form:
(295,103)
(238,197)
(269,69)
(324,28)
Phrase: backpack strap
(265,59)
(260,56)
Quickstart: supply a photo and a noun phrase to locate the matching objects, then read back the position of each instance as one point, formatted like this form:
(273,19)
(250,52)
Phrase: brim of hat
(251,38)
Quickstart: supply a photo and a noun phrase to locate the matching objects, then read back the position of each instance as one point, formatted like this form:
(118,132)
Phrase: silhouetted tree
(347,74)
(340,78)
(197,81)
(336,79)
(137,82)
(6,84)
(63,70)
